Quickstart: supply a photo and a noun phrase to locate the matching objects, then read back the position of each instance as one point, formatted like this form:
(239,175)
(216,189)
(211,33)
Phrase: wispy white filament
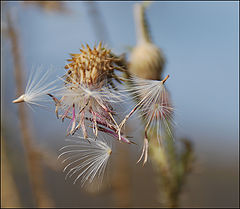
(38,86)
(85,159)
(153,103)
(76,91)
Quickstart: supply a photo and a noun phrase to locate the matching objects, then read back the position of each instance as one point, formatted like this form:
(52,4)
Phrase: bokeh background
(201,43)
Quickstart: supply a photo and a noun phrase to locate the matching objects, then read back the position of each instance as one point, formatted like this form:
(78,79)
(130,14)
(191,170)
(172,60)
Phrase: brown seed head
(91,66)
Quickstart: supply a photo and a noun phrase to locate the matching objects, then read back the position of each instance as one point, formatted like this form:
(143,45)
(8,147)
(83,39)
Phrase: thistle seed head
(91,67)
(89,92)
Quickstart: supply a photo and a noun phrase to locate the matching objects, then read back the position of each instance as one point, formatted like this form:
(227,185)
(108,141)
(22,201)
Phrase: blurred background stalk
(33,157)
(48,6)
(9,193)
(121,178)
(171,166)
(98,24)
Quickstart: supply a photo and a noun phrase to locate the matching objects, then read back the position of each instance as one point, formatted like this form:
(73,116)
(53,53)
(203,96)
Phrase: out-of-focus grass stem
(171,166)
(33,160)
(9,193)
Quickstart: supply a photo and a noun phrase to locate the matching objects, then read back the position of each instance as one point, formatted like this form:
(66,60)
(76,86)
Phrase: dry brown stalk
(9,193)
(32,155)
(120,179)
(48,6)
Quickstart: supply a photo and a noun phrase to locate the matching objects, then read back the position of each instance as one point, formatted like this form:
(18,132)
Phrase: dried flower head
(89,92)
(92,67)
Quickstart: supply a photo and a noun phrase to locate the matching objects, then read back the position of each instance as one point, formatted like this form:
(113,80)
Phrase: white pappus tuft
(155,108)
(155,103)
(86,159)
(38,86)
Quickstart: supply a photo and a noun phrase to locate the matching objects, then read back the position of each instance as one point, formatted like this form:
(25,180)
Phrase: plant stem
(10,196)
(32,155)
